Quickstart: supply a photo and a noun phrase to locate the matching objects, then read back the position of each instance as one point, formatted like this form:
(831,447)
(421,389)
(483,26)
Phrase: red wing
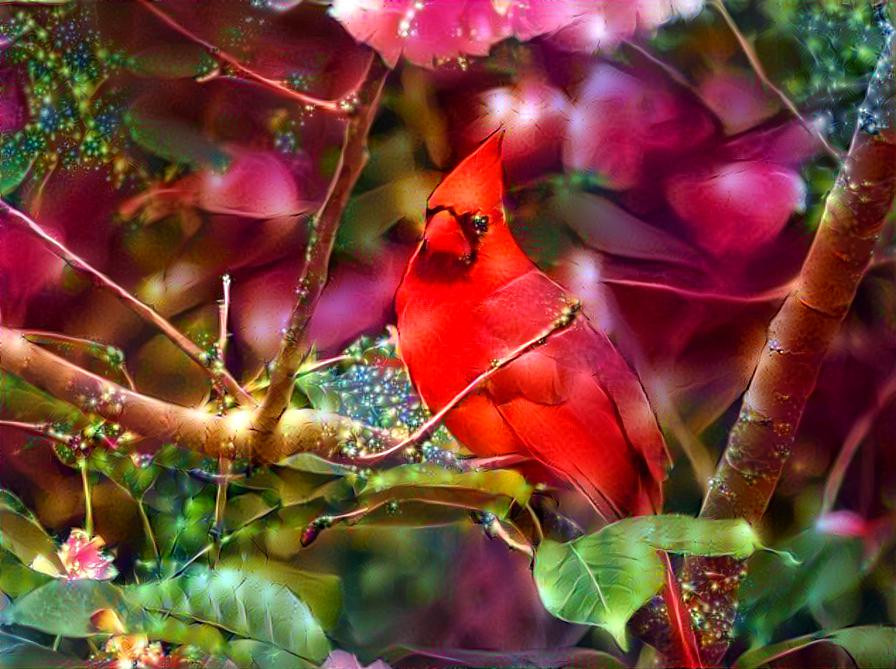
(563,402)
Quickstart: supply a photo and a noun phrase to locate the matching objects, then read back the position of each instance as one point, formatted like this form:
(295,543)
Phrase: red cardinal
(471,296)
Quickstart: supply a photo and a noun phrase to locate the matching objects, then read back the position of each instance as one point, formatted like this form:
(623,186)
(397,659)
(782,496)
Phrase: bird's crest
(476,184)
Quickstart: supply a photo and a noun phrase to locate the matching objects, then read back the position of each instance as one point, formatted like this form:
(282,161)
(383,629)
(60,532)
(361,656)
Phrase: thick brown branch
(320,246)
(219,375)
(798,339)
(298,430)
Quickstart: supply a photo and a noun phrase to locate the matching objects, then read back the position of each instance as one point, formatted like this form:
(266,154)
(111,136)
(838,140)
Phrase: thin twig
(320,246)
(756,64)
(91,347)
(223,316)
(224,468)
(88,503)
(38,430)
(496,529)
(318,365)
(217,373)
(561,323)
(854,439)
(227,60)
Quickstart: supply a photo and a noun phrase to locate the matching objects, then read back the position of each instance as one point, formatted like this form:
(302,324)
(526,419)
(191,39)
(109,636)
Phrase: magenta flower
(428,32)
(622,122)
(534,115)
(83,557)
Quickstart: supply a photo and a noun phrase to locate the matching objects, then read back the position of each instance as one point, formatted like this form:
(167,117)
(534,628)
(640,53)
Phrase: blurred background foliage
(659,179)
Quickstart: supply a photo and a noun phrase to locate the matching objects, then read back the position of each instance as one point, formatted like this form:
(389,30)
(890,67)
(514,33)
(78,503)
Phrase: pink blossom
(534,116)
(83,557)
(731,207)
(620,122)
(429,31)
(339,659)
(256,184)
(737,98)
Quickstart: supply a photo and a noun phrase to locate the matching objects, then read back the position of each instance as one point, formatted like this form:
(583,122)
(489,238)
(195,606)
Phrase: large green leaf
(22,536)
(240,602)
(19,653)
(64,607)
(320,591)
(871,646)
(831,567)
(603,578)
(499,487)
(249,654)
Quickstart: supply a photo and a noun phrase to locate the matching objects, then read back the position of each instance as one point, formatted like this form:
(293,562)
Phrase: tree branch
(223,58)
(798,339)
(299,430)
(214,368)
(320,246)
(566,318)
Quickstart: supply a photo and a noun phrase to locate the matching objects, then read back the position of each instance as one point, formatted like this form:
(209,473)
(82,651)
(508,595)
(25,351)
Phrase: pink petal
(733,208)
(738,99)
(256,184)
(619,121)
(533,114)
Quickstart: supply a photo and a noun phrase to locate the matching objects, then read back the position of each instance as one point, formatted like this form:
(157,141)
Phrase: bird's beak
(445,236)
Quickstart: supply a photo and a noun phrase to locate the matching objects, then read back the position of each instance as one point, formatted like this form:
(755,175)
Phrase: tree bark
(231,435)
(320,246)
(798,338)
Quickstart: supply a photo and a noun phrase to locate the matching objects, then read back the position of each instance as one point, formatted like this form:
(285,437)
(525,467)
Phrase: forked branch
(320,246)
(299,430)
(216,371)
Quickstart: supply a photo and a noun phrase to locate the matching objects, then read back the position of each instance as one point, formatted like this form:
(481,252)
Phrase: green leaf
(257,655)
(172,61)
(242,603)
(121,469)
(64,607)
(314,464)
(244,509)
(174,141)
(16,579)
(831,567)
(320,591)
(871,646)
(171,630)
(603,578)
(500,487)
(19,653)
(22,536)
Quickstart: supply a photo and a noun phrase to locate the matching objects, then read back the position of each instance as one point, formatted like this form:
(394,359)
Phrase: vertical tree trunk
(798,339)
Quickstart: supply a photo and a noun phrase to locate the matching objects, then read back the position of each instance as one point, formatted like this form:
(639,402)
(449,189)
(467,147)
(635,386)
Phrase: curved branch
(219,375)
(299,430)
(225,59)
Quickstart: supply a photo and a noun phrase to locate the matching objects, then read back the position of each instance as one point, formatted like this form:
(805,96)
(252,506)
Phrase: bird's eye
(480,224)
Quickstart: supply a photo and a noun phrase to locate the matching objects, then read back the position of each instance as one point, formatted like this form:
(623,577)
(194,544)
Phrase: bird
(469,297)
